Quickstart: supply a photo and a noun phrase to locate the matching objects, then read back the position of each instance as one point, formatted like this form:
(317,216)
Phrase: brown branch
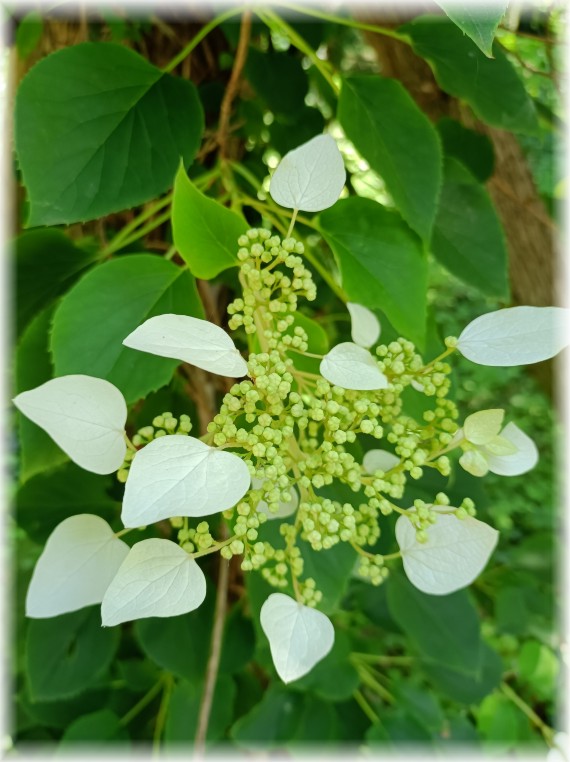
(231,90)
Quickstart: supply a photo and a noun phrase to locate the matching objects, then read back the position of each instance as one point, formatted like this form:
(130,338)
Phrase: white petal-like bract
(157,578)
(80,558)
(84,415)
(299,636)
(379,460)
(309,178)
(352,367)
(515,336)
(456,552)
(523,460)
(285,509)
(178,475)
(191,340)
(365,327)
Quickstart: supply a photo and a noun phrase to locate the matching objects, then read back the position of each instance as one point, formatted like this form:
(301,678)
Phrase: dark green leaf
(66,654)
(331,570)
(468,238)
(318,722)
(374,246)
(480,24)
(403,727)
(288,133)
(463,687)
(334,678)
(511,610)
(139,674)
(47,499)
(238,642)
(422,705)
(184,709)
(278,78)
(491,87)
(47,264)
(105,306)
(444,629)
(96,727)
(205,232)
(398,141)
(60,714)
(274,720)
(100,129)
(471,148)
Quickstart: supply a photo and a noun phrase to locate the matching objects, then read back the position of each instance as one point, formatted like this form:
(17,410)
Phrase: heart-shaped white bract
(456,552)
(157,578)
(285,509)
(80,558)
(524,459)
(365,327)
(379,460)
(311,177)
(352,367)
(190,340)
(85,416)
(179,475)
(515,336)
(299,636)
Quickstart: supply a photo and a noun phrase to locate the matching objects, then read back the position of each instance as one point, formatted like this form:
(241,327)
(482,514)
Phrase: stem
(547,732)
(430,364)
(384,660)
(372,683)
(136,221)
(123,532)
(291,226)
(366,708)
(200,36)
(130,445)
(148,228)
(326,276)
(231,90)
(214,548)
(214,660)
(305,354)
(162,711)
(144,701)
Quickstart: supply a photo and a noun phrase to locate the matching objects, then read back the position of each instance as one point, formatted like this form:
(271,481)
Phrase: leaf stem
(292,224)
(366,708)
(214,548)
(168,683)
(547,732)
(144,701)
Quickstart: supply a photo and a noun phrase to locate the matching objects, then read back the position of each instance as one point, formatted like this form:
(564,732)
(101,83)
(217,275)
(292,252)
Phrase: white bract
(191,340)
(365,327)
(179,475)
(515,336)
(311,177)
(157,578)
(85,416)
(507,452)
(285,509)
(352,367)
(379,460)
(299,636)
(455,553)
(81,557)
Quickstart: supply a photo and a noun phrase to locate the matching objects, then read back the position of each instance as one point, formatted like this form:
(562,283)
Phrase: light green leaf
(100,129)
(467,237)
(205,232)
(106,306)
(374,247)
(398,141)
(480,24)
(498,720)
(491,87)
(539,668)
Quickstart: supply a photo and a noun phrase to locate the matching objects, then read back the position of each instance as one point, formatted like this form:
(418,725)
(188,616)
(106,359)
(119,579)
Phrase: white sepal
(178,475)
(515,336)
(479,428)
(157,578)
(379,460)
(352,367)
(456,552)
(523,460)
(80,558)
(299,636)
(365,327)
(85,416)
(284,510)
(309,178)
(191,340)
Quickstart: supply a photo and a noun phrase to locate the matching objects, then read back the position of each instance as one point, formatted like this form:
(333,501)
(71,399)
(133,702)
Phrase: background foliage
(108,113)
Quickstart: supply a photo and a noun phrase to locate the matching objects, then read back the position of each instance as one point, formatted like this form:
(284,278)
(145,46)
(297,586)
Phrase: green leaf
(273,721)
(97,727)
(205,232)
(423,706)
(29,33)
(60,714)
(184,709)
(468,238)
(47,499)
(238,643)
(473,149)
(444,629)
(480,24)
(278,78)
(539,668)
(511,610)
(491,87)
(317,723)
(398,141)
(331,570)
(38,452)
(498,720)
(99,129)
(467,688)
(66,654)
(292,130)
(105,306)
(334,678)
(47,264)
(381,262)
(400,726)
